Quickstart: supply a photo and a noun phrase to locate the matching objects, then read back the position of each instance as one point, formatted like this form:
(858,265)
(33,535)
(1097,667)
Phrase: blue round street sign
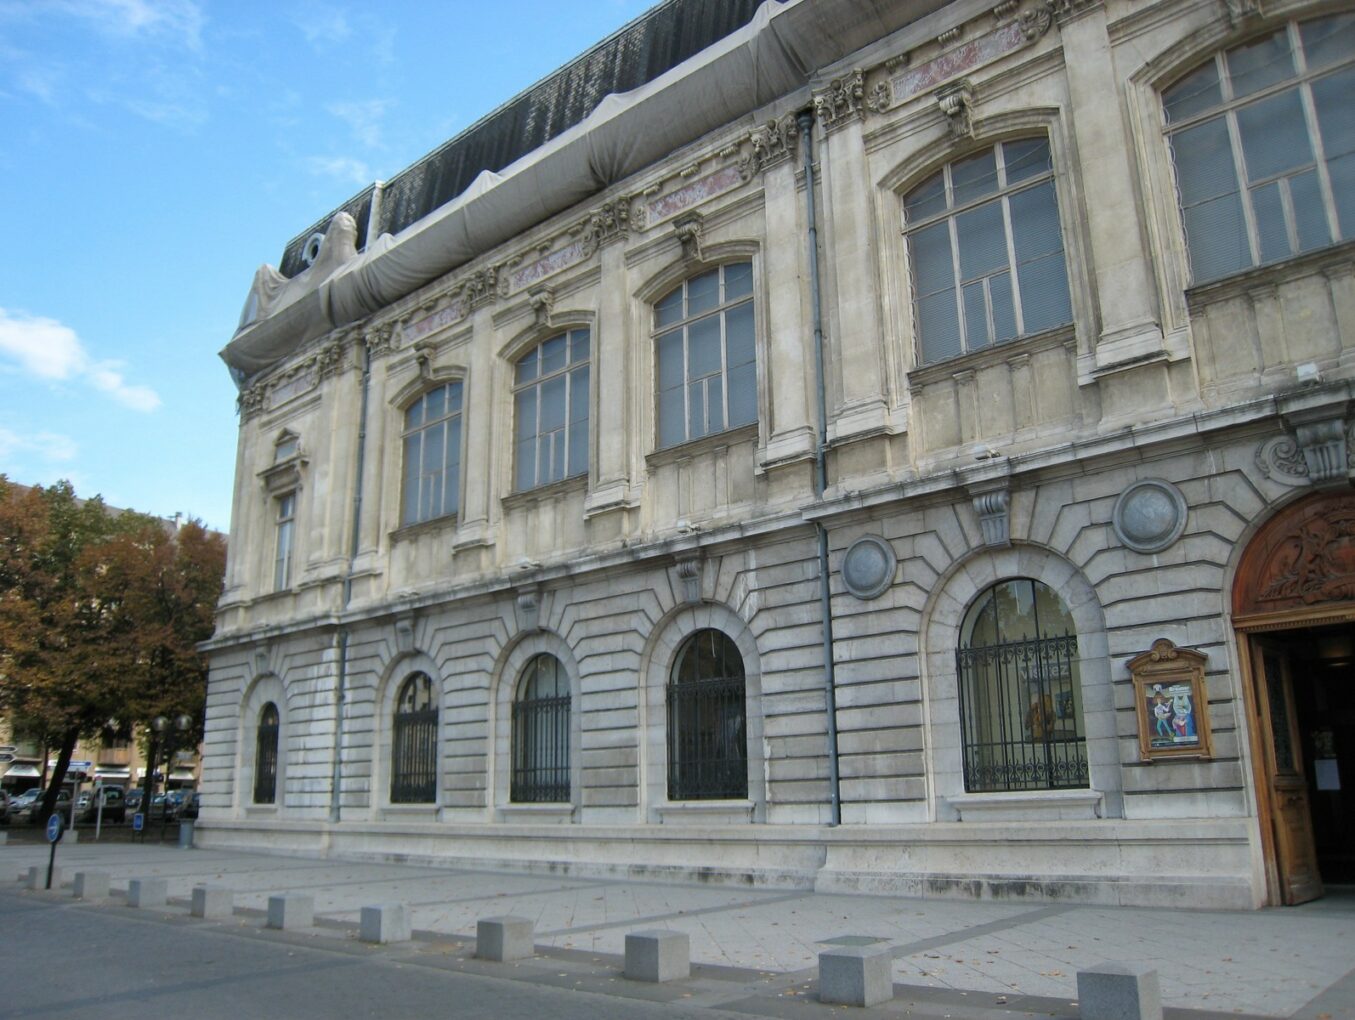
(53,828)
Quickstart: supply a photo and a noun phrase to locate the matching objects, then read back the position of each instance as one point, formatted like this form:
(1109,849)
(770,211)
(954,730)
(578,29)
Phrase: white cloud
(362,118)
(50,350)
(343,168)
(48,446)
(177,19)
(322,24)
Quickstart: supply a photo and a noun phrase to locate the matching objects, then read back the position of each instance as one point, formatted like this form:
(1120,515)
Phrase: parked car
(132,798)
(19,805)
(33,812)
(114,805)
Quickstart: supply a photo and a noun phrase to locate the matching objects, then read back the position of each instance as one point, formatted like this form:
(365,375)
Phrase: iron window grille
(707,727)
(1020,699)
(705,353)
(266,756)
(1264,147)
(414,743)
(541,734)
(551,410)
(432,455)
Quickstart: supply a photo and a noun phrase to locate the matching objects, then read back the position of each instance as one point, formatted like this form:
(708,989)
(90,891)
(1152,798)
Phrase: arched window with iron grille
(541,733)
(266,756)
(707,725)
(1020,693)
(414,747)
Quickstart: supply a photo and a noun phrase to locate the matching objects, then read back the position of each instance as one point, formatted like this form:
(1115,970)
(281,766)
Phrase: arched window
(1020,694)
(541,733)
(432,465)
(986,250)
(414,744)
(707,725)
(1263,137)
(551,410)
(705,355)
(266,756)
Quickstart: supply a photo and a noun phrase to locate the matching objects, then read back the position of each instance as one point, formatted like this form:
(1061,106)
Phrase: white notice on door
(1327,774)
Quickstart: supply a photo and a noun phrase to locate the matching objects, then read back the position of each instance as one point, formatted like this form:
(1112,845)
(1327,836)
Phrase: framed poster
(1171,702)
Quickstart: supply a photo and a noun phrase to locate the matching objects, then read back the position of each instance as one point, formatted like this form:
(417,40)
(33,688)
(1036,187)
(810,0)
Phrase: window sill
(410,812)
(706,444)
(540,493)
(1272,273)
(987,357)
(1027,806)
(557,813)
(261,810)
(706,812)
(409,531)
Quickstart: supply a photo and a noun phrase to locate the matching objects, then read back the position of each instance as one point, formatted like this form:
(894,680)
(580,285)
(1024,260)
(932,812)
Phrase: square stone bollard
(212,901)
(504,938)
(387,922)
(147,892)
(70,837)
(856,975)
(37,877)
(4,838)
(91,885)
(1114,991)
(658,955)
(291,911)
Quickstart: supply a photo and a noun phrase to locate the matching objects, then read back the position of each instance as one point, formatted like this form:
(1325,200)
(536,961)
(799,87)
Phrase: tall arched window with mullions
(432,455)
(1020,692)
(707,720)
(550,397)
(266,756)
(414,743)
(541,733)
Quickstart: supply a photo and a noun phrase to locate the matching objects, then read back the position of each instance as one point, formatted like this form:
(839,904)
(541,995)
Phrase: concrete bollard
(70,837)
(856,975)
(186,835)
(504,938)
(387,922)
(291,911)
(37,877)
(4,838)
(91,885)
(658,955)
(147,892)
(1114,991)
(212,901)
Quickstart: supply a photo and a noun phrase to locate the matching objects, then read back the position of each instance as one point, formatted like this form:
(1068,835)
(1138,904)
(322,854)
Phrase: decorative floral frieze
(842,101)
(772,143)
(417,329)
(664,207)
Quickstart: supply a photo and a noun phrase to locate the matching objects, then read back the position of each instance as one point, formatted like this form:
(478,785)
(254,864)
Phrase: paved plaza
(951,957)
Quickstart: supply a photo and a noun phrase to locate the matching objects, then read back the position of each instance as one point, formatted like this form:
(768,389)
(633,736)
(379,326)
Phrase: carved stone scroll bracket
(262,657)
(772,143)
(404,633)
(1241,11)
(880,97)
(957,103)
(688,230)
(423,357)
(689,575)
(992,506)
(1320,426)
(1279,459)
(527,606)
(842,101)
(542,300)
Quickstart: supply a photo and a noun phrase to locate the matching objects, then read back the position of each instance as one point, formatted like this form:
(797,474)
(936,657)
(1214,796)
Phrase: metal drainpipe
(806,123)
(341,680)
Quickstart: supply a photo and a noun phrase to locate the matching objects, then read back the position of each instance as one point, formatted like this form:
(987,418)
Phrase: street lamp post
(160,724)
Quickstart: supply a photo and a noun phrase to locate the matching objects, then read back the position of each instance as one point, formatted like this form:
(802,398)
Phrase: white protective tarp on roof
(774,54)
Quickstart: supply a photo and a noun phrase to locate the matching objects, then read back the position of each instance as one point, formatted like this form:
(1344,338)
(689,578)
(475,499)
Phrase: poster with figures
(1173,709)
(1173,712)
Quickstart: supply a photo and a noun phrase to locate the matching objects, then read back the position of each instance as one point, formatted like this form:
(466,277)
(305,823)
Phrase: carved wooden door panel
(1287,789)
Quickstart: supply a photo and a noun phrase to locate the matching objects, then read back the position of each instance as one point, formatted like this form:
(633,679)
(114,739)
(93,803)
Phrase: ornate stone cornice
(380,340)
(842,101)
(772,143)
(251,401)
(608,222)
(483,287)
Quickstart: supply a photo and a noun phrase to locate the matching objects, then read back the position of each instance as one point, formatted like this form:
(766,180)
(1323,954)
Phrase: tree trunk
(63,761)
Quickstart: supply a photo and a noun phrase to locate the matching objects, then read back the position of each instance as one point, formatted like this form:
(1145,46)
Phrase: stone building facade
(534,492)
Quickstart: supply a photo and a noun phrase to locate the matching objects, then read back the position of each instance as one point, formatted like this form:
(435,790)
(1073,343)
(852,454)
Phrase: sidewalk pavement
(951,957)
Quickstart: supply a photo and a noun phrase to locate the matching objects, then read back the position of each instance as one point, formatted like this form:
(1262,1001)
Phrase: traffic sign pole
(53,837)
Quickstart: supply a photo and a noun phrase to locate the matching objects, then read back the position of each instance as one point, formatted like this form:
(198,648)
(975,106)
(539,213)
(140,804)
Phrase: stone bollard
(37,877)
(186,835)
(387,922)
(70,837)
(147,892)
(4,838)
(291,911)
(504,938)
(91,885)
(856,975)
(212,901)
(1114,991)
(658,955)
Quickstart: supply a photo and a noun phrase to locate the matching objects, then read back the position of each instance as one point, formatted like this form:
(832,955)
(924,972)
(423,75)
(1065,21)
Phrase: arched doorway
(1294,611)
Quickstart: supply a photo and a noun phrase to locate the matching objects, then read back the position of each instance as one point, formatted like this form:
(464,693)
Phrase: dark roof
(653,43)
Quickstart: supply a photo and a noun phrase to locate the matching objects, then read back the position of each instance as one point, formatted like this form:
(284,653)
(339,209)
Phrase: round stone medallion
(1149,515)
(868,566)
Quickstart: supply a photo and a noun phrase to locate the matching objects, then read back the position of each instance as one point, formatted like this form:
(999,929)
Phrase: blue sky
(153,153)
